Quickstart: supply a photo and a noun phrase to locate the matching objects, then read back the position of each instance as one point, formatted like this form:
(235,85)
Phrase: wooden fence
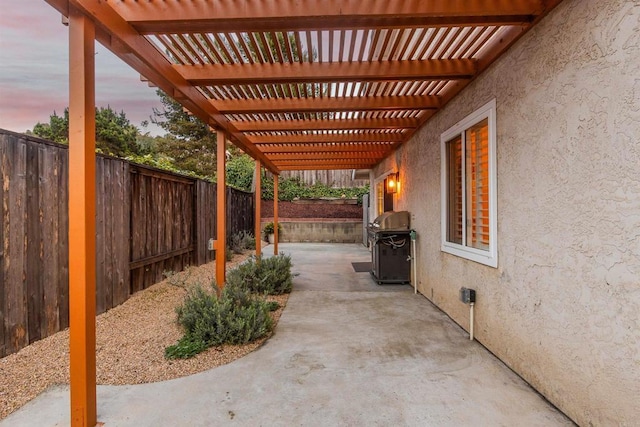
(147,222)
(331,178)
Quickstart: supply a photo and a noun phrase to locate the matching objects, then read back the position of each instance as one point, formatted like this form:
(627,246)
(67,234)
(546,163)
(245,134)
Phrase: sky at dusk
(34,54)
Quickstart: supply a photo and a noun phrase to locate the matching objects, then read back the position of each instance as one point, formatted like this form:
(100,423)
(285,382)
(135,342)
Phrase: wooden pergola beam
(319,72)
(350,137)
(372,155)
(292,15)
(307,105)
(269,150)
(341,124)
(258,207)
(221,210)
(327,166)
(82,221)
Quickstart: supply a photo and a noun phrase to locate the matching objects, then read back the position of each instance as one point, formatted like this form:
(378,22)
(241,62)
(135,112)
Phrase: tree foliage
(115,135)
(240,171)
(190,143)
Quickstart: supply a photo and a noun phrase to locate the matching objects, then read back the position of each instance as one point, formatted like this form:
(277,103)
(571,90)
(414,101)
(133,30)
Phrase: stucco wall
(563,307)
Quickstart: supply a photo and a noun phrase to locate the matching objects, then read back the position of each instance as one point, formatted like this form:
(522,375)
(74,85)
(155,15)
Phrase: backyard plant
(235,317)
(239,314)
(269,228)
(271,276)
(242,241)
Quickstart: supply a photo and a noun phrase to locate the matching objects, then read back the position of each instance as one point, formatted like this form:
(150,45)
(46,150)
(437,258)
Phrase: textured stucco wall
(563,307)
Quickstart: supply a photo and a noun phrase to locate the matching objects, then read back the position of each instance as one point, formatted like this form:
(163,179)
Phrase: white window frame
(487,257)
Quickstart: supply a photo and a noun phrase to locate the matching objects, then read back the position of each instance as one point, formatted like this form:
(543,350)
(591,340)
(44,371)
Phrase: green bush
(271,276)
(236,317)
(240,314)
(292,188)
(242,241)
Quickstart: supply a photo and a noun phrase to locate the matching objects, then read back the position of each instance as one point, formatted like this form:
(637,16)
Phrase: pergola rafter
(334,14)
(238,74)
(324,105)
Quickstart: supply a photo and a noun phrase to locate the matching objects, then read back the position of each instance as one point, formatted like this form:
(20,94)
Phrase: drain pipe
(412,234)
(468,296)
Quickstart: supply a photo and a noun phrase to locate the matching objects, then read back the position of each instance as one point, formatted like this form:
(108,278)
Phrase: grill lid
(391,220)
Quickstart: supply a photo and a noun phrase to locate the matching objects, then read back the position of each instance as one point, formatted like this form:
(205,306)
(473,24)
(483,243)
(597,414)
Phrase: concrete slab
(346,352)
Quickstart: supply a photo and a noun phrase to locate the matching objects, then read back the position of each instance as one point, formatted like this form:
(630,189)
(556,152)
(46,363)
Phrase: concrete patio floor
(346,352)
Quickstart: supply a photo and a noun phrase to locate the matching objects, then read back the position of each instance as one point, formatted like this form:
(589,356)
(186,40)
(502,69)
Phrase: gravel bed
(130,343)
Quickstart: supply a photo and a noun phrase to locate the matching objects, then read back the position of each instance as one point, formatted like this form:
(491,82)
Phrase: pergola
(296,84)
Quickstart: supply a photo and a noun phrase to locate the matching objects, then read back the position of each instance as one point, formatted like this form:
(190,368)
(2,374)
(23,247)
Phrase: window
(469,214)
(384,199)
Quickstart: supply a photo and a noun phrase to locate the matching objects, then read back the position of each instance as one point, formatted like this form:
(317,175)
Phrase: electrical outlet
(467,296)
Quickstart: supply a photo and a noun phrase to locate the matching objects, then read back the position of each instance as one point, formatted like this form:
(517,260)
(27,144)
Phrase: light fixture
(392,183)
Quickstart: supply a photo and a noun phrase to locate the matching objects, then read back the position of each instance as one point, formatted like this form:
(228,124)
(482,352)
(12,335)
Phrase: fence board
(33,240)
(4,223)
(49,205)
(100,235)
(63,237)
(120,243)
(16,312)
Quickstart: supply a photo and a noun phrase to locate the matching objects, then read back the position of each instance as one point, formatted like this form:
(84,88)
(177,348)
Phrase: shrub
(236,317)
(270,276)
(242,241)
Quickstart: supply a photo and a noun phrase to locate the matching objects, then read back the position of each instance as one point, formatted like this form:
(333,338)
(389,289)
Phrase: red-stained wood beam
(328,166)
(329,156)
(340,124)
(307,105)
(258,207)
(256,15)
(328,148)
(346,137)
(82,225)
(221,210)
(275,215)
(317,72)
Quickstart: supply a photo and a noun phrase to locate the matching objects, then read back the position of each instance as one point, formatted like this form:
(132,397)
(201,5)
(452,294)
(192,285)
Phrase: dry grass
(131,339)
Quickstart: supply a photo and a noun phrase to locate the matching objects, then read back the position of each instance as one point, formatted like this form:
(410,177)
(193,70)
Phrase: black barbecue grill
(389,238)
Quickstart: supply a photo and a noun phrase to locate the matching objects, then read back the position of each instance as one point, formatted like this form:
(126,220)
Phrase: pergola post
(276,236)
(82,227)
(221,210)
(258,230)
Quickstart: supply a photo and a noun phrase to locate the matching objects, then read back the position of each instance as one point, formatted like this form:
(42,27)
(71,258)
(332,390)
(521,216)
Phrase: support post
(82,227)
(221,210)
(276,235)
(258,228)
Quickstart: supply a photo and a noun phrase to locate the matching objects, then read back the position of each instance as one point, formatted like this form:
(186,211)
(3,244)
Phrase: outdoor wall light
(392,183)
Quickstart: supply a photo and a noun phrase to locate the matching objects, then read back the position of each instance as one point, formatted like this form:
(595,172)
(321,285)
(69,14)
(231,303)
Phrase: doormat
(361,267)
